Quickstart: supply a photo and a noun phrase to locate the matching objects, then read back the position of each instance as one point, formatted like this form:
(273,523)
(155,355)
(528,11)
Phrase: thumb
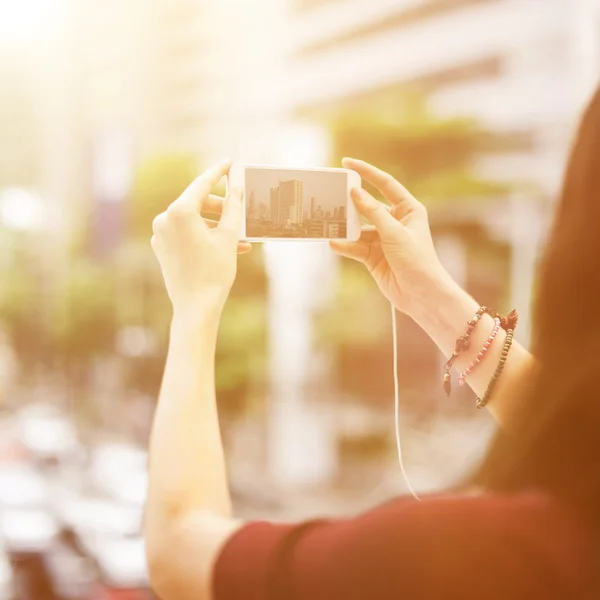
(377,213)
(354,250)
(232,211)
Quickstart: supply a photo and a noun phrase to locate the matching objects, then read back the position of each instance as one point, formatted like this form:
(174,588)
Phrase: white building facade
(522,67)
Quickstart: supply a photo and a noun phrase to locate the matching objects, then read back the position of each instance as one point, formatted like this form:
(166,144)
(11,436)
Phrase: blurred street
(70,513)
(71,510)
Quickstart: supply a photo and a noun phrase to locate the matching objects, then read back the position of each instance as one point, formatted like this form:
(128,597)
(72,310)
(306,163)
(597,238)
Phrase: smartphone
(296,204)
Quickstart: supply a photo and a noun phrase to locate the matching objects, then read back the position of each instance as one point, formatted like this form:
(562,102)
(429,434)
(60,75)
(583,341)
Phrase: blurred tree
(143,303)
(157,183)
(21,305)
(241,352)
(84,323)
(95,301)
(433,157)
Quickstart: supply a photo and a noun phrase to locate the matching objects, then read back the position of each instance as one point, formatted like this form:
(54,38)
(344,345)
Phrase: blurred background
(109,109)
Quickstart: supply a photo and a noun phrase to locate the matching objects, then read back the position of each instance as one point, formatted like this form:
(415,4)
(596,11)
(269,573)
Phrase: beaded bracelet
(481,402)
(462,344)
(462,378)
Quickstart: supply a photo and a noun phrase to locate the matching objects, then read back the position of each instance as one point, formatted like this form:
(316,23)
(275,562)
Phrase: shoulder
(515,542)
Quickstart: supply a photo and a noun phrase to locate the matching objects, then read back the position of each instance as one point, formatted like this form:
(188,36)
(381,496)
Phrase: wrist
(196,321)
(442,311)
(434,289)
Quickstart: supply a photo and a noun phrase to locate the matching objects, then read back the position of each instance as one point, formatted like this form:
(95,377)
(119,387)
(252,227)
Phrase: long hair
(554,443)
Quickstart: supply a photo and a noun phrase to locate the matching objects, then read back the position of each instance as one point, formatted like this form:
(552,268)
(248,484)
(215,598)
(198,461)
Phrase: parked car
(11,449)
(122,571)
(100,553)
(72,573)
(119,471)
(21,486)
(48,435)
(28,534)
(102,516)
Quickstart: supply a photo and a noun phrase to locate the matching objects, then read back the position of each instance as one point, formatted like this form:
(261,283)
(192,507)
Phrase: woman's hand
(399,254)
(197,255)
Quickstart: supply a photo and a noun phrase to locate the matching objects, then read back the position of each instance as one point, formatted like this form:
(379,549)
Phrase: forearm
(187,467)
(443,313)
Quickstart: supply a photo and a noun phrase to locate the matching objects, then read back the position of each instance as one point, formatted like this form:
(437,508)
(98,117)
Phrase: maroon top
(494,547)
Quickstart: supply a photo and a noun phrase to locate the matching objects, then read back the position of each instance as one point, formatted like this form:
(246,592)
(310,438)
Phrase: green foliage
(157,183)
(357,300)
(458,184)
(242,346)
(20,311)
(141,297)
(84,322)
(242,343)
(431,156)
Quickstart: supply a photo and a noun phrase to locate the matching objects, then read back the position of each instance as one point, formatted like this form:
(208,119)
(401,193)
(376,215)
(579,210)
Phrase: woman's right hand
(399,254)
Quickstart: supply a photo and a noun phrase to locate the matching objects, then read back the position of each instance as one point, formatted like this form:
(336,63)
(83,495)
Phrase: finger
(232,212)
(244,247)
(213,204)
(392,190)
(355,250)
(198,191)
(377,213)
(368,234)
(247,246)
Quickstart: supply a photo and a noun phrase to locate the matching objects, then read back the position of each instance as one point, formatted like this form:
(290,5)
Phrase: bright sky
(328,188)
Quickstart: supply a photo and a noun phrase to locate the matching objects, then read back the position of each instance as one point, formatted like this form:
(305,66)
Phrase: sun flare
(26,21)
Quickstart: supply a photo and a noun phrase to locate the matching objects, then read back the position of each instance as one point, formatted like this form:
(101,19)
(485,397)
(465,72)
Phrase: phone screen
(283,203)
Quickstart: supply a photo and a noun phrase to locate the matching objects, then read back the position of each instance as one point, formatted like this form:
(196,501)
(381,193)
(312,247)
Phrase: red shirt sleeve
(445,547)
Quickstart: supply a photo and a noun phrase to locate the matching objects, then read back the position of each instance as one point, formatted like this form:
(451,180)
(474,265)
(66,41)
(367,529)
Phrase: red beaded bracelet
(463,343)
(462,378)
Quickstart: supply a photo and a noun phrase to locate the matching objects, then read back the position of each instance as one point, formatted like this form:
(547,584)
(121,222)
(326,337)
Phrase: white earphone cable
(397,405)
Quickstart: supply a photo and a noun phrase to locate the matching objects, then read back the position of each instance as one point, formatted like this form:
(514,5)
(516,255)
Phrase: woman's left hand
(198,257)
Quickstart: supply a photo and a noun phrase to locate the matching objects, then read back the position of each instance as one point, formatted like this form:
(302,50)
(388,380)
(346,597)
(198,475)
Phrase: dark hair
(554,443)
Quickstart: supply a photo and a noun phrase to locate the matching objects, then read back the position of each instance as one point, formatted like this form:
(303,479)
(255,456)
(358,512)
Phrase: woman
(526,526)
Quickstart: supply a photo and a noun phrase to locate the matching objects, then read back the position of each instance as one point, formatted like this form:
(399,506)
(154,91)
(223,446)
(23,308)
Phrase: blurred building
(37,108)
(18,157)
(120,82)
(176,75)
(137,69)
(521,66)
(220,78)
